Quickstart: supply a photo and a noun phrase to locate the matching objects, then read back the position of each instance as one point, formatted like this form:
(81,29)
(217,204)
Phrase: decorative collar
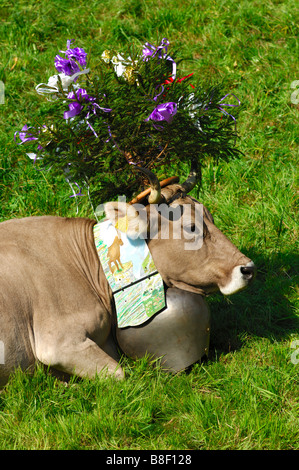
(138,289)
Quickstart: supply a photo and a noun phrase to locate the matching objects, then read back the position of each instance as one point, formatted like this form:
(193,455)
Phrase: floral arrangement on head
(127,110)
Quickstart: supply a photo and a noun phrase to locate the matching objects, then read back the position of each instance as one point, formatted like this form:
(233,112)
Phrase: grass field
(246,395)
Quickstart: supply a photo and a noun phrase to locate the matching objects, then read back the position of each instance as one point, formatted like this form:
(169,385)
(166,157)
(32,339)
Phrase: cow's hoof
(119,373)
(116,372)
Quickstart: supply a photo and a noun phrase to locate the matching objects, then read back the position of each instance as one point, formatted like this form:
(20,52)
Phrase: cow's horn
(155,195)
(193,177)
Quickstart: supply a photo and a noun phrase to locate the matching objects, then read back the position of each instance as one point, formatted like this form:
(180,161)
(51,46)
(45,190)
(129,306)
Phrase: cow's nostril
(248,271)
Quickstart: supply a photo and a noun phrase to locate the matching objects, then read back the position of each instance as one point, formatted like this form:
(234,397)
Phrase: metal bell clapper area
(179,335)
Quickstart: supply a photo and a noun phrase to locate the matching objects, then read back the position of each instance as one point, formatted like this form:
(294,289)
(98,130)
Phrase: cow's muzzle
(241,276)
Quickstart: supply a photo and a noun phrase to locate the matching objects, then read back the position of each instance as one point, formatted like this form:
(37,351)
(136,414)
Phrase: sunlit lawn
(246,395)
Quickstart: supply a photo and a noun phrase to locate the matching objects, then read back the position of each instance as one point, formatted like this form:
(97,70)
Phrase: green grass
(246,395)
(242,401)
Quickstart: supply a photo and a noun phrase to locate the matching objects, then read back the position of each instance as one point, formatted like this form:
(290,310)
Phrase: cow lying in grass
(55,302)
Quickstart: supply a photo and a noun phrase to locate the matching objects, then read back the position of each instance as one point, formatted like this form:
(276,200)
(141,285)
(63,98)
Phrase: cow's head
(189,251)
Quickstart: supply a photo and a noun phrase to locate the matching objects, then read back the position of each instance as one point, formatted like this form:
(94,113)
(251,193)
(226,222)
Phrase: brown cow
(55,302)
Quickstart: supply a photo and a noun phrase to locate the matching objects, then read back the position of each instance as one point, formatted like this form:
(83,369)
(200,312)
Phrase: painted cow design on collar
(114,254)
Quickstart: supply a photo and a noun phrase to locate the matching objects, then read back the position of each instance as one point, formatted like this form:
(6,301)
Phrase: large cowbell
(179,335)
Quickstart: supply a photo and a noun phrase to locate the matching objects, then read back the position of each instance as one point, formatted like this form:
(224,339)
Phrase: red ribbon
(171,80)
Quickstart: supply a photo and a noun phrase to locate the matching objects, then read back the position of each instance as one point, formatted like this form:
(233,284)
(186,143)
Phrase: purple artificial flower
(77,54)
(150,50)
(80,97)
(163,112)
(69,65)
(24,135)
(81,93)
(66,66)
(74,110)
(76,107)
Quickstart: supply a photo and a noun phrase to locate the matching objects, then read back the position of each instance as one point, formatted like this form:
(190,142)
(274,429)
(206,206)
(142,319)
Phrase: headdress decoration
(125,110)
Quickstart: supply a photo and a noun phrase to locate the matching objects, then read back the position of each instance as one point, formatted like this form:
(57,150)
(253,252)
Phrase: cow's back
(47,266)
(15,306)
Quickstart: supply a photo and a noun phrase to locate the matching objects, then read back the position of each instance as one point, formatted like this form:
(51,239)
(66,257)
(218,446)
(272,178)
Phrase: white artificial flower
(33,156)
(51,87)
(119,67)
(66,81)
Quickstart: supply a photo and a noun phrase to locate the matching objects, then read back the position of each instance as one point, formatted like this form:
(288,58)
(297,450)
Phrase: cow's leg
(15,342)
(110,266)
(83,358)
(119,262)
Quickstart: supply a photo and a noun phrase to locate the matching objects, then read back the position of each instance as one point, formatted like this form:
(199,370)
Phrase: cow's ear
(127,219)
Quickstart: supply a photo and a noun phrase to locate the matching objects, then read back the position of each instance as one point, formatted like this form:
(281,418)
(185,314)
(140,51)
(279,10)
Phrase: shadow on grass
(266,309)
